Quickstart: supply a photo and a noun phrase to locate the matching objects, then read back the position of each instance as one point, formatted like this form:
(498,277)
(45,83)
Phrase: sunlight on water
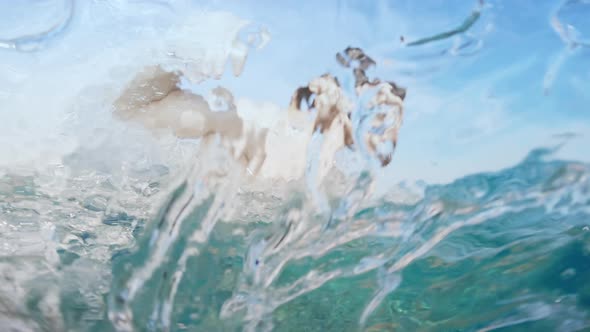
(294,166)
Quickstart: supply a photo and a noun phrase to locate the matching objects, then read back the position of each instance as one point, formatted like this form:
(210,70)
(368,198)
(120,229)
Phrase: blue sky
(464,113)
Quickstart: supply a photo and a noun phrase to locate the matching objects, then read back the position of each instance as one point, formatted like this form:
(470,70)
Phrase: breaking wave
(106,227)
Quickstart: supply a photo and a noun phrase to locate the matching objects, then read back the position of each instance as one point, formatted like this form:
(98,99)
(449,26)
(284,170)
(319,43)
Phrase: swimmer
(154,100)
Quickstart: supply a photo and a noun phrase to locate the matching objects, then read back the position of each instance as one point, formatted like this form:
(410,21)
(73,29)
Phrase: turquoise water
(480,223)
(508,250)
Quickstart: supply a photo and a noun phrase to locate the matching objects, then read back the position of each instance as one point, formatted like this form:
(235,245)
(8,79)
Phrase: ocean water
(480,223)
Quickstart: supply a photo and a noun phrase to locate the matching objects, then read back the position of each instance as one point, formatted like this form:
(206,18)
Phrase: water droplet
(36,26)
(571,23)
(568,273)
(95,203)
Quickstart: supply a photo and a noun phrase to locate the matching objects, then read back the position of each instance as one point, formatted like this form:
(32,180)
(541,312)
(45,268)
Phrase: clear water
(480,223)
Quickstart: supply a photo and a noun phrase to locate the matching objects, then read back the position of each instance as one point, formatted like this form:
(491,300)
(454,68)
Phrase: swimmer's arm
(154,100)
(151,85)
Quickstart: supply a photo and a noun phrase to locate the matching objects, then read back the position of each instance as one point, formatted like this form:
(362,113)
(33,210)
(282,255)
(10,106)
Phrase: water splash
(83,249)
(428,55)
(299,257)
(569,24)
(464,27)
(37,41)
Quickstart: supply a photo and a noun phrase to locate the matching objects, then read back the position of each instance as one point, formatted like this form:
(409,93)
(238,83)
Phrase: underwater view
(257,165)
